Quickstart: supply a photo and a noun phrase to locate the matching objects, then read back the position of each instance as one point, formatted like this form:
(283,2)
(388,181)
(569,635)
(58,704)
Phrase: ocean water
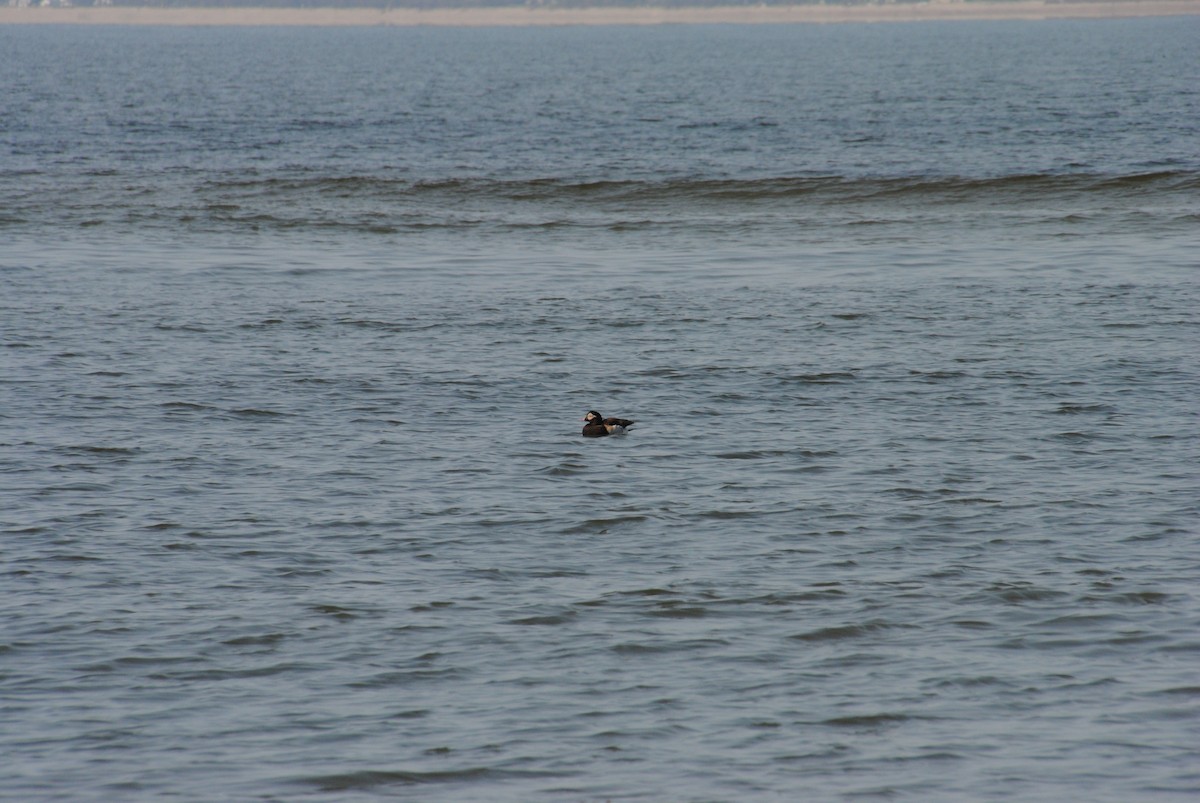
(297,327)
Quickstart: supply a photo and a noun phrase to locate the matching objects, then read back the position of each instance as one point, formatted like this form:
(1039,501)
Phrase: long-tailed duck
(597,426)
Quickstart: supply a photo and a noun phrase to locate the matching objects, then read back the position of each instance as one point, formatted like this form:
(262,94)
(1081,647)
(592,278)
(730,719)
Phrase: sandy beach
(514,16)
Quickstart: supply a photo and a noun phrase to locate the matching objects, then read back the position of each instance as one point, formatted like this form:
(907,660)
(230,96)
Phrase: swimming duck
(597,426)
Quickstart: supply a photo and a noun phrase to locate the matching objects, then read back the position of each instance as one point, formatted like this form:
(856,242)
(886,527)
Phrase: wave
(727,190)
(388,204)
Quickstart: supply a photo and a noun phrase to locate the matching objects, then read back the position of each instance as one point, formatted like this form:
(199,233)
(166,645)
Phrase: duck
(597,426)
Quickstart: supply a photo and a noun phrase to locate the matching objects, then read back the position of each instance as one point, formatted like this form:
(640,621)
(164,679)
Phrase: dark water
(297,327)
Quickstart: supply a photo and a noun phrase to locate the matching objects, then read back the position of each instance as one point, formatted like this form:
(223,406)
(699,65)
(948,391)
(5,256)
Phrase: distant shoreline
(522,16)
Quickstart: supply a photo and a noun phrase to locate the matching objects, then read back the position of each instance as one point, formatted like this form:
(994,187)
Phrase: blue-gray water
(297,328)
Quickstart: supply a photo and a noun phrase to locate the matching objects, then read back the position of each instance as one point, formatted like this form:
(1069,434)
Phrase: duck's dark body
(597,426)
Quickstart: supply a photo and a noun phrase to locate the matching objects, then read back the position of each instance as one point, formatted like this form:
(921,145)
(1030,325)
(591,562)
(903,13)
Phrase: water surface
(294,347)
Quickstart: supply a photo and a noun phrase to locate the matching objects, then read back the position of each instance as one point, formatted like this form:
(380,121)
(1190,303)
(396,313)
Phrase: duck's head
(593,416)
